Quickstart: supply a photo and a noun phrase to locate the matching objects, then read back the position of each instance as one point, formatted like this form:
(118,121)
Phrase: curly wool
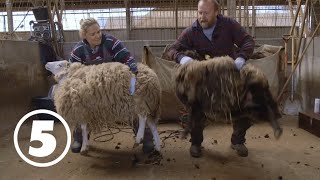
(99,95)
(213,83)
(262,105)
(220,89)
(253,75)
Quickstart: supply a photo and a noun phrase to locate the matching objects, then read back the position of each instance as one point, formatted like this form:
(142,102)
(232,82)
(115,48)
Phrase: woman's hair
(85,24)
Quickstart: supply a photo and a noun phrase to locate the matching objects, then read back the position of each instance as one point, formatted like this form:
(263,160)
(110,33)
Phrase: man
(215,35)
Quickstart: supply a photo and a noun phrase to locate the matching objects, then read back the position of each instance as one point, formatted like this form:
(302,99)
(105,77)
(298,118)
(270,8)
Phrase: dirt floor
(295,156)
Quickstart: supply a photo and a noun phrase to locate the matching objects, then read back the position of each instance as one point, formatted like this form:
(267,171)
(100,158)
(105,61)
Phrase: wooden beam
(23,5)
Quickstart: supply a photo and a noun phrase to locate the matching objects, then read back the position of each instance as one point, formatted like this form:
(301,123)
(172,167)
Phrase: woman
(96,48)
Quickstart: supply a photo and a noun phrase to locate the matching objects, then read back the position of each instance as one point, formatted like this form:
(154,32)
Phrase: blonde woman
(96,48)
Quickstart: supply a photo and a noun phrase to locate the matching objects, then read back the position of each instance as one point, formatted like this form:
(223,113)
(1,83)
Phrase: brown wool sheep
(218,93)
(223,91)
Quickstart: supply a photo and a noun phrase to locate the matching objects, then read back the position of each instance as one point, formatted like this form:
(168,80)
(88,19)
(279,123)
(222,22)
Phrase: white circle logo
(48,140)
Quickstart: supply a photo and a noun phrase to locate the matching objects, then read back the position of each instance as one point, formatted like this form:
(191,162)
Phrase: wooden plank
(310,122)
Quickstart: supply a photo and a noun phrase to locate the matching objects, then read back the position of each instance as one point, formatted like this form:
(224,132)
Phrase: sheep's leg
(142,126)
(156,137)
(187,129)
(85,141)
(277,130)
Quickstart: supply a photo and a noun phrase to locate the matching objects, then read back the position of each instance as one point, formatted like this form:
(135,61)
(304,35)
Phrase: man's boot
(241,149)
(195,151)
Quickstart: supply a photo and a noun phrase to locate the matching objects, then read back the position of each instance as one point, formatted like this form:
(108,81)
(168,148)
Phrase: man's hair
(85,24)
(215,3)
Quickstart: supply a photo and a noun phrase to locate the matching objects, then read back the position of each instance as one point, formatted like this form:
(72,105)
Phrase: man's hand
(185,59)
(132,85)
(239,62)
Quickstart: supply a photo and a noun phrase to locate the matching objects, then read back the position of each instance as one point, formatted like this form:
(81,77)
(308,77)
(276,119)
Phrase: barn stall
(286,35)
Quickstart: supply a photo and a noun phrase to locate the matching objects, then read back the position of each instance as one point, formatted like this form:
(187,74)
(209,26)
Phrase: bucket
(40,102)
(292,107)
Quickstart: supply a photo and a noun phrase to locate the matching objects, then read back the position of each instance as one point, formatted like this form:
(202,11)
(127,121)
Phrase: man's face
(207,14)
(93,35)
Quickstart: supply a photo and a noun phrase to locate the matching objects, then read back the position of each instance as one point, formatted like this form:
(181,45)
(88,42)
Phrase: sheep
(98,95)
(224,91)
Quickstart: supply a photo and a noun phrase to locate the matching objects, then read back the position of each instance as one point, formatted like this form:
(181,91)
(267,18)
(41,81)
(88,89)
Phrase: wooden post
(222,7)
(59,15)
(295,18)
(301,12)
(240,12)
(316,16)
(232,6)
(60,28)
(62,7)
(293,32)
(302,30)
(176,17)
(253,30)
(53,29)
(286,38)
(293,21)
(128,19)
(246,15)
(298,62)
(308,14)
(10,18)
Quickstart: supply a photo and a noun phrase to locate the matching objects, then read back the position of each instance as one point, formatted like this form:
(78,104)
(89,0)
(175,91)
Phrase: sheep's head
(58,68)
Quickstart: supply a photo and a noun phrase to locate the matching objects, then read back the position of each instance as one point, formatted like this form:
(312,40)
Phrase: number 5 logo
(48,141)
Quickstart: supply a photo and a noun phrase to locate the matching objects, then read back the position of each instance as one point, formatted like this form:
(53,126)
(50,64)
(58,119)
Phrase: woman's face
(93,35)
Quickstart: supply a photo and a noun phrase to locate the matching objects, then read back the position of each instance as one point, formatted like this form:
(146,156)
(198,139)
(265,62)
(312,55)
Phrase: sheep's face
(58,68)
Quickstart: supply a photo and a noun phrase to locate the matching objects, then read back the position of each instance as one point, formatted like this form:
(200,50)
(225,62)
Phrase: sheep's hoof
(135,145)
(278,133)
(84,151)
(138,140)
(157,147)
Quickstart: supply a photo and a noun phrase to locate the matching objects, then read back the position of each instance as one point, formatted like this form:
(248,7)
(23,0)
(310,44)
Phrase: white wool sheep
(98,95)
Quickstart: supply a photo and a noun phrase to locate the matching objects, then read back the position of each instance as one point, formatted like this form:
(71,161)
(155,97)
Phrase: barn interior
(286,35)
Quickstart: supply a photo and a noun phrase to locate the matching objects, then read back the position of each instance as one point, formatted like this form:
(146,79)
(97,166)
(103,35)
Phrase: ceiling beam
(23,5)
